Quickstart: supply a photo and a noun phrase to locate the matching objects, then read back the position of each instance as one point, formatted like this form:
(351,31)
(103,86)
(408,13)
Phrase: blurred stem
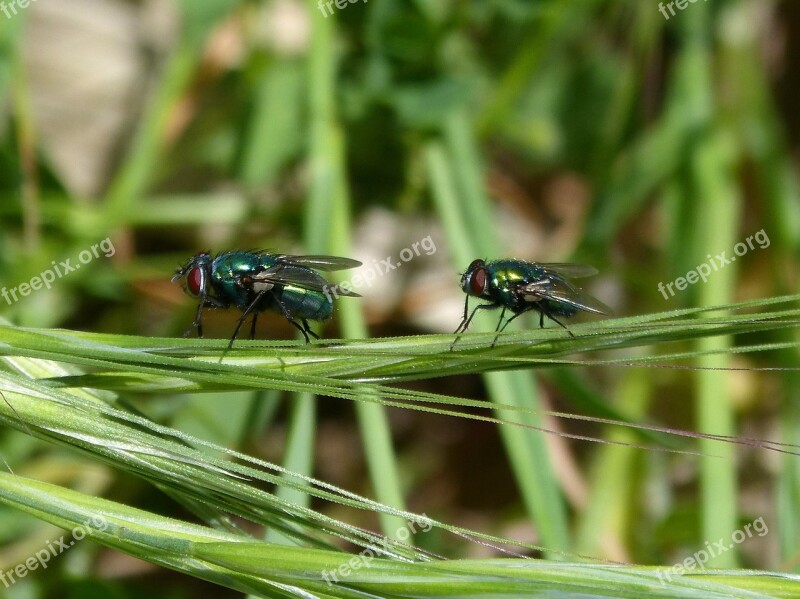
(717,220)
(788,495)
(602,528)
(711,211)
(26,142)
(298,455)
(147,149)
(276,115)
(526,448)
(468,172)
(764,136)
(328,230)
(262,411)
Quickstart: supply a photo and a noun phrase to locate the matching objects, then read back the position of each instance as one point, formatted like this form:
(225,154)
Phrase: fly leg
(205,302)
(307,329)
(253,326)
(197,323)
(499,330)
(464,321)
(528,309)
(554,319)
(463,327)
(288,316)
(543,313)
(251,306)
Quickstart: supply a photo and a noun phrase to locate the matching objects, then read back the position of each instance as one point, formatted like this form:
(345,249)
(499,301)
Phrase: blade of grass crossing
(719,210)
(299,451)
(298,455)
(266,570)
(764,136)
(275,116)
(328,231)
(144,156)
(275,129)
(602,528)
(788,491)
(468,170)
(527,450)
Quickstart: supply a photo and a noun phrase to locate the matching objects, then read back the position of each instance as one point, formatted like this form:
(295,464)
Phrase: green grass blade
(527,452)
(268,570)
(328,229)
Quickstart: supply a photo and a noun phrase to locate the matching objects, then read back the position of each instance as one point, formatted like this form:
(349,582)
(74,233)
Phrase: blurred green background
(596,132)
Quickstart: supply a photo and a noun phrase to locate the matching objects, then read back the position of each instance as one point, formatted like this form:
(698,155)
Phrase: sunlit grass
(466,117)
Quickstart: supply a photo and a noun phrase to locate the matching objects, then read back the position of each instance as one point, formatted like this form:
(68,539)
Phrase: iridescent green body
(507,277)
(254,281)
(520,286)
(229,268)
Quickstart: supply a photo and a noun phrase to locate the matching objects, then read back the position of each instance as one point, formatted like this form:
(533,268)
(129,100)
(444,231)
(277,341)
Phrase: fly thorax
(256,285)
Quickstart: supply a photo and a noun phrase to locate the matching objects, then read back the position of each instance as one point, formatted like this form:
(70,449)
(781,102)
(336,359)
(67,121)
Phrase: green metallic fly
(520,287)
(254,281)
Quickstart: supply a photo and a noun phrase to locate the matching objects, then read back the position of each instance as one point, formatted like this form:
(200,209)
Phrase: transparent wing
(324,263)
(560,291)
(286,274)
(571,271)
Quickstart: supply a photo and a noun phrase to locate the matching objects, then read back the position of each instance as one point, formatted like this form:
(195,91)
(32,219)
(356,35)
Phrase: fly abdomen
(304,303)
(559,308)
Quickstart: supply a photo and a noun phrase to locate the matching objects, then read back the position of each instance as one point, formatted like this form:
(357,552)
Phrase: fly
(255,281)
(520,286)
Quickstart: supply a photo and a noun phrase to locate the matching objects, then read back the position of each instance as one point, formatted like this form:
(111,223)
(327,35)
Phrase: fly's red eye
(194,281)
(477,281)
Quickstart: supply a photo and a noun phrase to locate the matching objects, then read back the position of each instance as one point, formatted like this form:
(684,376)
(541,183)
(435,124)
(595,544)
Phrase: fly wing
(558,290)
(323,263)
(571,271)
(286,274)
